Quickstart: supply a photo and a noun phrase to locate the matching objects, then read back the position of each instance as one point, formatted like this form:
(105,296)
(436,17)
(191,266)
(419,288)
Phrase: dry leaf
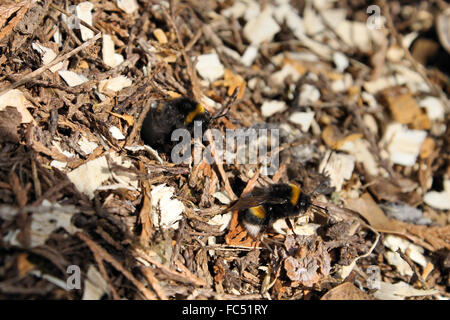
(10,119)
(431,238)
(7,11)
(370,210)
(310,264)
(232,81)
(15,98)
(427,148)
(23,264)
(400,291)
(128,118)
(238,236)
(346,291)
(383,189)
(335,139)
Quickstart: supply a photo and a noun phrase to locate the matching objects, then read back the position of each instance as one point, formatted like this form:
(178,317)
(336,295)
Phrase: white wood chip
(57,36)
(166,212)
(48,55)
(261,28)
(110,58)
(95,286)
(128,6)
(116,133)
(286,14)
(355,34)
(301,227)
(87,146)
(341,61)
(334,16)
(250,55)
(403,144)
(439,200)
(434,107)
(313,22)
(15,98)
(411,250)
(222,197)
(45,222)
(303,119)
(221,220)
(287,70)
(370,122)
(90,176)
(253,9)
(71,78)
(339,167)
(83,12)
(309,94)
(381,83)
(394,259)
(236,11)
(340,85)
(114,84)
(58,164)
(271,107)
(360,149)
(209,67)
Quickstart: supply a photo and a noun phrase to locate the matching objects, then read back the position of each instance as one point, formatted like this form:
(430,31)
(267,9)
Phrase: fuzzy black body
(166,116)
(259,209)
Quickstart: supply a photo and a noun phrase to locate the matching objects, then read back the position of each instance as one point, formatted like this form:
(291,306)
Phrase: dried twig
(42,69)
(100,252)
(148,273)
(184,278)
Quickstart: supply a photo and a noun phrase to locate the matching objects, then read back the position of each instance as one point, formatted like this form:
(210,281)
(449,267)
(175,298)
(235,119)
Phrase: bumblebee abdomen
(254,219)
(256,215)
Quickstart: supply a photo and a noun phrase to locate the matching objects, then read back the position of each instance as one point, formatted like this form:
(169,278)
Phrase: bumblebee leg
(275,241)
(264,243)
(289,223)
(260,238)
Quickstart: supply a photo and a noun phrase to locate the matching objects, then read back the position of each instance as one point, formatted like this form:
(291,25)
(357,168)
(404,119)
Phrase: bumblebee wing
(254,199)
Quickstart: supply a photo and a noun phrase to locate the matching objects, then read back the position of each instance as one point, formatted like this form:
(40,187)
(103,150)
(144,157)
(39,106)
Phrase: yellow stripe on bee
(295,194)
(199,109)
(258,212)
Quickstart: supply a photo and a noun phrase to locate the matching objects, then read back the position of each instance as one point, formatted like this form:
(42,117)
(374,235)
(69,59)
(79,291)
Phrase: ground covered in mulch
(358,96)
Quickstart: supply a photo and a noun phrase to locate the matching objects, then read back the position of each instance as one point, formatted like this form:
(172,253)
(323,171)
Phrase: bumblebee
(166,116)
(259,209)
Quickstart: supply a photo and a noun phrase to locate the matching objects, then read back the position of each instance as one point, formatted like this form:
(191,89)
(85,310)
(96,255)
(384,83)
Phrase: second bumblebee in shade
(166,116)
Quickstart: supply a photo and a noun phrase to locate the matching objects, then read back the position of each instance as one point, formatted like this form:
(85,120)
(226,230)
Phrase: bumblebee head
(299,199)
(304,202)
(191,110)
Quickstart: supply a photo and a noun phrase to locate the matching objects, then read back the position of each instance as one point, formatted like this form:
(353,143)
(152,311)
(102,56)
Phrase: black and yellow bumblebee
(167,115)
(260,208)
